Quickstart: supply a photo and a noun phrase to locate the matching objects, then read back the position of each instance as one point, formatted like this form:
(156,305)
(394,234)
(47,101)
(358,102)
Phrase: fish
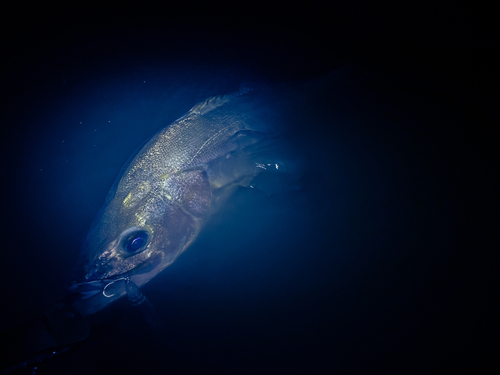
(168,190)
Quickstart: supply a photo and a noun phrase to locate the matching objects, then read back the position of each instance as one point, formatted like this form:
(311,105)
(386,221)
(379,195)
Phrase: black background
(381,263)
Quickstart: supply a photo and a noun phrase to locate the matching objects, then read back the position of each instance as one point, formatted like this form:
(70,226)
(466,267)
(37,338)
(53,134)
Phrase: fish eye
(135,242)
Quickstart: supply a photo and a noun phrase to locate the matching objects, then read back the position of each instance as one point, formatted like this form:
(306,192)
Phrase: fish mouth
(97,272)
(104,272)
(94,286)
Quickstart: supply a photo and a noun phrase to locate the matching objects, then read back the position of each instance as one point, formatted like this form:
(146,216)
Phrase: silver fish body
(165,194)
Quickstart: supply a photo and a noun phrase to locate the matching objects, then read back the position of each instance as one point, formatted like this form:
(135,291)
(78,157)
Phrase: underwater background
(376,258)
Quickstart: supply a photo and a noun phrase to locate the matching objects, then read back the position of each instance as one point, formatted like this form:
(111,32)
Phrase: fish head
(148,220)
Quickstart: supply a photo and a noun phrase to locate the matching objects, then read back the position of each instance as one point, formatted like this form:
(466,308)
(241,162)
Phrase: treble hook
(127,278)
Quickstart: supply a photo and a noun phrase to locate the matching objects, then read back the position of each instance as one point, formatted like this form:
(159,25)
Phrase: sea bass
(166,192)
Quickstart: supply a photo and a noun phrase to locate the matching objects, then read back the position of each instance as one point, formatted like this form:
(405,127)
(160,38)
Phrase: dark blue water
(374,262)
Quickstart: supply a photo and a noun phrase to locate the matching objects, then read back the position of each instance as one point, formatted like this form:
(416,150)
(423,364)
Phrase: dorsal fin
(209,104)
(214,102)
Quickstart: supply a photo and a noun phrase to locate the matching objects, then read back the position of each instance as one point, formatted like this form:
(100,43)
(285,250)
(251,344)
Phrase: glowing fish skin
(165,194)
